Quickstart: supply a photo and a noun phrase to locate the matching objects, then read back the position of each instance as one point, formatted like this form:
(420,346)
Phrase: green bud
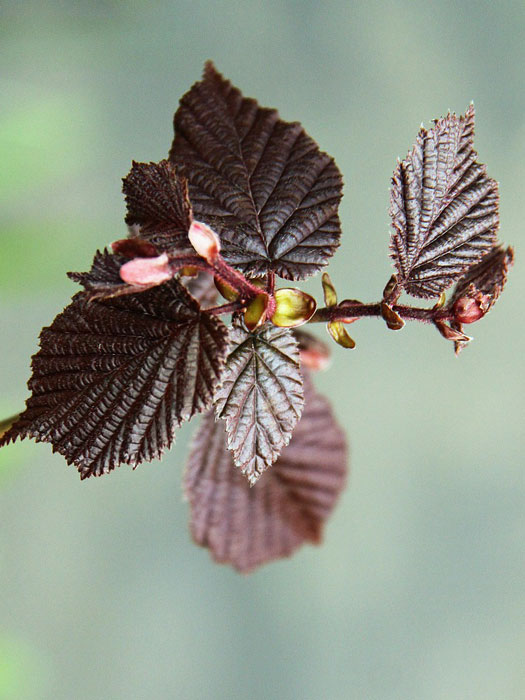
(255,314)
(292,308)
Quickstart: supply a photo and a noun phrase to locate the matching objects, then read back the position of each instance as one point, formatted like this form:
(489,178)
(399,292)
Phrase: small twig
(346,311)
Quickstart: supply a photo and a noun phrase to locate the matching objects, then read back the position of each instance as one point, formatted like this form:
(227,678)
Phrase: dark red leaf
(487,278)
(261,183)
(261,395)
(444,208)
(476,292)
(157,202)
(248,526)
(113,379)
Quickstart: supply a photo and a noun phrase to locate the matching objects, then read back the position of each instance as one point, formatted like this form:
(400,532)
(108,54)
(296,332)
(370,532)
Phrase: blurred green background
(418,590)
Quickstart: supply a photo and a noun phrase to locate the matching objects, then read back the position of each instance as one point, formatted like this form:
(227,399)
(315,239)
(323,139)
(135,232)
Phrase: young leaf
(157,201)
(476,292)
(444,208)
(261,183)
(486,279)
(261,396)
(113,379)
(248,526)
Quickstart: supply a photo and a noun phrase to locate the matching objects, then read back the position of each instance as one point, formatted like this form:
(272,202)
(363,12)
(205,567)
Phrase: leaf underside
(113,379)
(261,395)
(444,208)
(248,526)
(261,183)
(158,204)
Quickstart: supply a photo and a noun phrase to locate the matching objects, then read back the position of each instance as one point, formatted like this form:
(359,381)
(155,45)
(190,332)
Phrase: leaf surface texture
(248,526)
(261,183)
(444,208)
(261,395)
(113,379)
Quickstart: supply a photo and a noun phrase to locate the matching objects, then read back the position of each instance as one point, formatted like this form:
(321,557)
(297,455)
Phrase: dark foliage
(261,183)
(249,526)
(444,208)
(113,379)
(246,196)
(158,203)
(261,396)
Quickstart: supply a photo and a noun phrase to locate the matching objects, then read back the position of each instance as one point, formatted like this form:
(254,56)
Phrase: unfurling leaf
(292,308)
(483,283)
(261,395)
(476,292)
(288,506)
(261,183)
(113,379)
(158,203)
(444,208)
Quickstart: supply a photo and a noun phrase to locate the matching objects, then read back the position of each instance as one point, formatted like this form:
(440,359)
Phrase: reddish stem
(346,311)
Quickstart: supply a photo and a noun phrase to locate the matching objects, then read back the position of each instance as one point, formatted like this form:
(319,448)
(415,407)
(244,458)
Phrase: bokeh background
(418,590)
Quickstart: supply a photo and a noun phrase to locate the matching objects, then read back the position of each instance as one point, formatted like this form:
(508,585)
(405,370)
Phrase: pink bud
(204,240)
(313,359)
(468,310)
(147,271)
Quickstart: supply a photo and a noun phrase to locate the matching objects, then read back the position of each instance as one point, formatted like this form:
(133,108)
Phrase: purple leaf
(261,183)
(113,379)
(444,208)
(261,395)
(158,203)
(476,292)
(248,526)
(487,278)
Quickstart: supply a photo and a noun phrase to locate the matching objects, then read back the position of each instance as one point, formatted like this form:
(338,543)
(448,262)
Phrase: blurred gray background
(418,591)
